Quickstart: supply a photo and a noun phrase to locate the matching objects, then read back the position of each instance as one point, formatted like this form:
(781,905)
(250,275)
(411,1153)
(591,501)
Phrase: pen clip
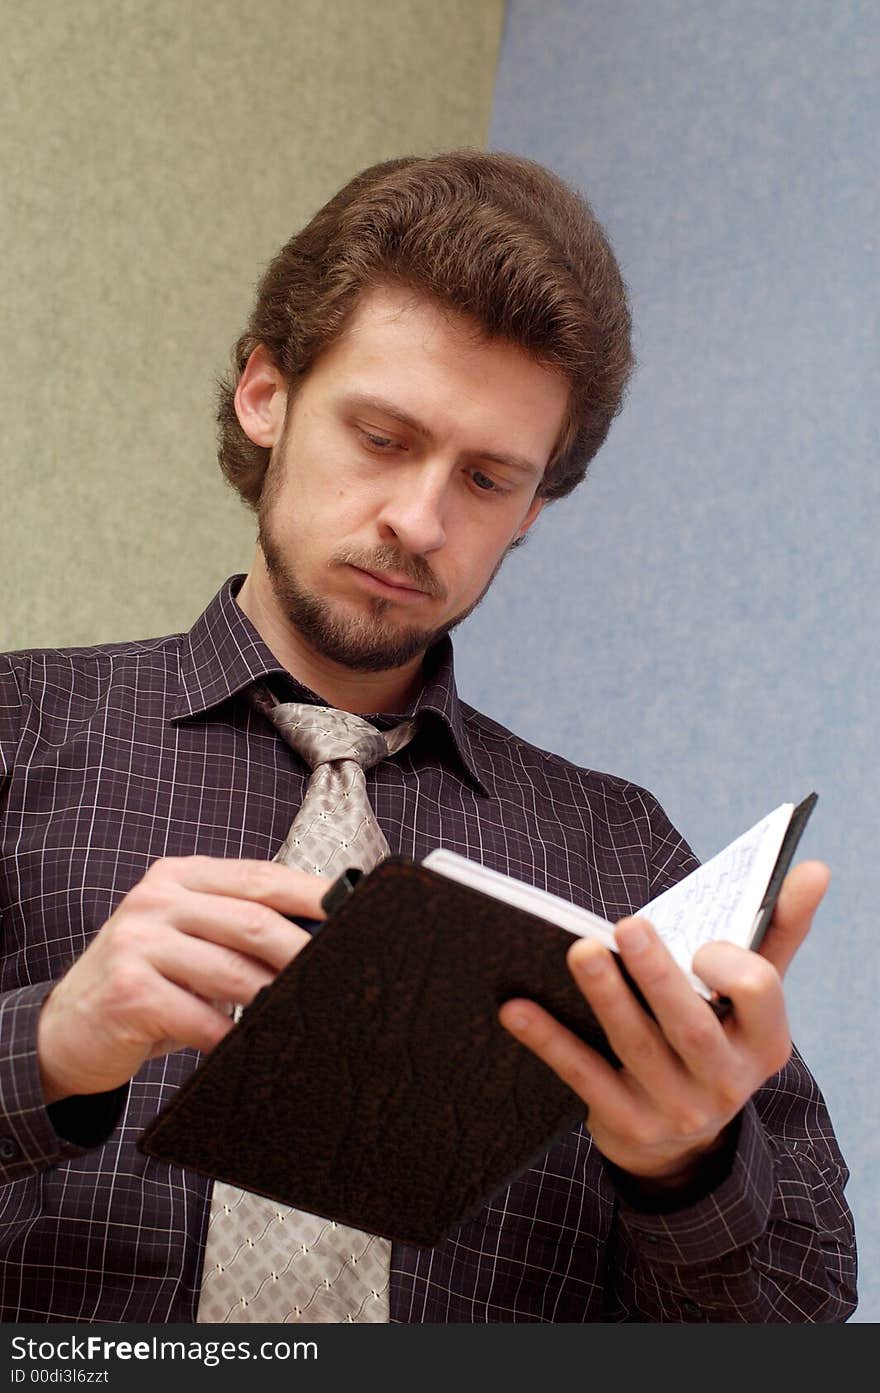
(333,899)
(340,890)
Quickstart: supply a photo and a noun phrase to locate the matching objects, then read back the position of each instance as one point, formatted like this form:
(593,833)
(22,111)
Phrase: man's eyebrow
(389,408)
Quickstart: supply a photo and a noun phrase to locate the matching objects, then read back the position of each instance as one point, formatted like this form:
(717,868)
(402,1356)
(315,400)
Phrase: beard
(363,642)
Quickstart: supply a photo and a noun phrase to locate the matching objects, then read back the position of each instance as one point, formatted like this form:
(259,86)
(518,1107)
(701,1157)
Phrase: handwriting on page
(716,901)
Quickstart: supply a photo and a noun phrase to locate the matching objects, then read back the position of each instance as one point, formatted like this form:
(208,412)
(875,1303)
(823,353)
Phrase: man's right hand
(195,932)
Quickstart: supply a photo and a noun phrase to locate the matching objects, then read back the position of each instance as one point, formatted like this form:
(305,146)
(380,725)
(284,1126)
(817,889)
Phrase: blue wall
(715,580)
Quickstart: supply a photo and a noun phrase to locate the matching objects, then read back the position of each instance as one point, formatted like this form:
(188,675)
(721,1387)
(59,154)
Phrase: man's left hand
(686,1074)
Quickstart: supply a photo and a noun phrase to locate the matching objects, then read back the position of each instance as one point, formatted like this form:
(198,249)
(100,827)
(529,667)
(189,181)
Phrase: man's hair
(494,236)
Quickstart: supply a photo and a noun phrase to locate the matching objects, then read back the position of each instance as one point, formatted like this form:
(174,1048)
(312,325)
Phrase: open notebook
(372,1081)
(730,897)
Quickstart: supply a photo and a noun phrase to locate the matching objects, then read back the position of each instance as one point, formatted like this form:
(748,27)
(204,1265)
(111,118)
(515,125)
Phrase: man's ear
(261,398)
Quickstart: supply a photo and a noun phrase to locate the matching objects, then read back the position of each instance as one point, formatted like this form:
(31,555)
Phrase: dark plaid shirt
(113,756)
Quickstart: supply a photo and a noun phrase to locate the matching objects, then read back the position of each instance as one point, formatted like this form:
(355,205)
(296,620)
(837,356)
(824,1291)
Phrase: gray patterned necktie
(264,1261)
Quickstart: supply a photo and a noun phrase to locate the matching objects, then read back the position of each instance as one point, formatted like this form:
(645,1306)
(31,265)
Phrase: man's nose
(415,511)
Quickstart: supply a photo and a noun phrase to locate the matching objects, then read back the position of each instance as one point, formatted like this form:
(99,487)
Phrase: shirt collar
(439,697)
(223,654)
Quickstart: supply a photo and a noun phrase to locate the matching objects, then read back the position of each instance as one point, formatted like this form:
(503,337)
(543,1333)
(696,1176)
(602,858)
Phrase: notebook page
(722,897)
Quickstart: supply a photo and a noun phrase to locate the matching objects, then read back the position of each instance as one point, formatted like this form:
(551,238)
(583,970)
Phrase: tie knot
(321,733)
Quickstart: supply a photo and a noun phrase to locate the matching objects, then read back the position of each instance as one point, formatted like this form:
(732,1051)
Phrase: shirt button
(651,1238)
(9,1149)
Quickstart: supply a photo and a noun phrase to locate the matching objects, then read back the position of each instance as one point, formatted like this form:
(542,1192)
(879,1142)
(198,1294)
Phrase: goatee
(365,642)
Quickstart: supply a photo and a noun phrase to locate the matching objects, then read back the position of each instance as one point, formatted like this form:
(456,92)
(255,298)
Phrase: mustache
(387,558)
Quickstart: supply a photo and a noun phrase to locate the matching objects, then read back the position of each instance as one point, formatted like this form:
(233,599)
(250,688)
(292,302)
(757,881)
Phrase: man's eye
(483,482)
(378,442)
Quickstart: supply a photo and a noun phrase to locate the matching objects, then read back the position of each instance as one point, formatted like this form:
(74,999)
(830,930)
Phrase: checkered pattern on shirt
(111,757)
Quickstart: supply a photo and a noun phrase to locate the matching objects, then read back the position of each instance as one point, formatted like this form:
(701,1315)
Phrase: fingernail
(590,963)
(516,1021)
(634,938)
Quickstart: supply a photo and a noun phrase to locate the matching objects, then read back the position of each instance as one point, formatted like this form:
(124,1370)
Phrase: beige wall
(153,156)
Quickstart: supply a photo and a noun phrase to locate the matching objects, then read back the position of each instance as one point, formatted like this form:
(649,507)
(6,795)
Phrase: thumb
(800,897)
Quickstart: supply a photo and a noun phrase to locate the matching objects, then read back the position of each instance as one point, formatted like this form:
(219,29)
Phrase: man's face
(407,465)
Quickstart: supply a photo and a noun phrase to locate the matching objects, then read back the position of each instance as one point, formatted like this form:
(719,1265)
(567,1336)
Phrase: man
(429,363)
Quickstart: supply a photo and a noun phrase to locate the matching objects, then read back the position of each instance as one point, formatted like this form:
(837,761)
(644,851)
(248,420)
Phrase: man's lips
(385,584)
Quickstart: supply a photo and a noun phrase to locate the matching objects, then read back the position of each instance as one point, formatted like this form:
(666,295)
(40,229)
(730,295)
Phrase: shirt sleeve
(671,857)
(11,716)
(774,1240)
(32,1135)
(771,1238)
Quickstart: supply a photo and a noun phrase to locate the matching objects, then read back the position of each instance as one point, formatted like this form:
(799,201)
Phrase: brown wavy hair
(496,237)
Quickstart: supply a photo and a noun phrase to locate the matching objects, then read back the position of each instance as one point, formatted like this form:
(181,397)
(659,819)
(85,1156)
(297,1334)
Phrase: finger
(284,888)
(800,896)
(585,1071)
(181,1019)
(687,1032)
(244,925)
(759,1020)
(635,1038)
(208,969)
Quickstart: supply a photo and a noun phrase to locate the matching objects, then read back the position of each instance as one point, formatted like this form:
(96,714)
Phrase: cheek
(471,568)
(323,502)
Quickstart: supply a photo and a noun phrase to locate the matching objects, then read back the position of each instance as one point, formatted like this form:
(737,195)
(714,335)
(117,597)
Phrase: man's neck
(341,687)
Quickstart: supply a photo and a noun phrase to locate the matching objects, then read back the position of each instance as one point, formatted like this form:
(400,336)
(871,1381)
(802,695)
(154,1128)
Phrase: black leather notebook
(372,1082)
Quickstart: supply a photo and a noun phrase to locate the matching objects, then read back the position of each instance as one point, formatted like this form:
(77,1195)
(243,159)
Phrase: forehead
(437,364)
